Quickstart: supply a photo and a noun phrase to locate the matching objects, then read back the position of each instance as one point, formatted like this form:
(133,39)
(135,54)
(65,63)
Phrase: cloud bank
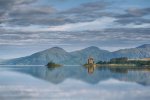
(108,23)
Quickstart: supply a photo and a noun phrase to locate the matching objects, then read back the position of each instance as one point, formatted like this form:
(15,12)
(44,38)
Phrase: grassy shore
(124,62)
(87,65)
(116,65)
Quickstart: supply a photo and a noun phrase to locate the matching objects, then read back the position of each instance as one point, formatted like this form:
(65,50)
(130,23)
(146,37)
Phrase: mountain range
(59,55)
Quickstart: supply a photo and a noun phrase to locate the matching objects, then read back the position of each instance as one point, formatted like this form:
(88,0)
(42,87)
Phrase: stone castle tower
(90,60)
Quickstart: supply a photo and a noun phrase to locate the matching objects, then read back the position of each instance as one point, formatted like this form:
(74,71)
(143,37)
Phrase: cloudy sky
(28,26)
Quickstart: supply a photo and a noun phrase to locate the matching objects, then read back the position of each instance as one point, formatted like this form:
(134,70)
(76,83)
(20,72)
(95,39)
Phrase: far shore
(116,65)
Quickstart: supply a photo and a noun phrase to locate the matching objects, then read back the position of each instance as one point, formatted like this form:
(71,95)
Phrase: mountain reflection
(90,74)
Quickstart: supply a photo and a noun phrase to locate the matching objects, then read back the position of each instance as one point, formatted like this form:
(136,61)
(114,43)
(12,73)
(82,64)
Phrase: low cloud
(134,15)
(93,25)
(106,37)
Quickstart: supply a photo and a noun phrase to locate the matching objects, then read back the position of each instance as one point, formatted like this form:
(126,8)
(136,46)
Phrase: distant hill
(142,51)
(93,51)
(144,46)
(59,55)
(54,54)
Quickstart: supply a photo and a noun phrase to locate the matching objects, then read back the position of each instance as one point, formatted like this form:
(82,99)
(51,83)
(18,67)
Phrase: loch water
(73,82)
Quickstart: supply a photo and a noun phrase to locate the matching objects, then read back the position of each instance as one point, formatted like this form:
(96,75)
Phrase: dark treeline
(124,60)
(52,64)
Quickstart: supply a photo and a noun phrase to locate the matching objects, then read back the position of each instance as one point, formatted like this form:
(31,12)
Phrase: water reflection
(91,68)
(73,83)
(123,69)
(90,74)
(21,86)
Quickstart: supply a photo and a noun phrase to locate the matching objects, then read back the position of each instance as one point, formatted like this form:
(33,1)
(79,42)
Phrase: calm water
(73,83)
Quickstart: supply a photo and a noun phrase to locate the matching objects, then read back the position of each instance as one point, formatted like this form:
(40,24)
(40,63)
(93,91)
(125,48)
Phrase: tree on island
(51,64)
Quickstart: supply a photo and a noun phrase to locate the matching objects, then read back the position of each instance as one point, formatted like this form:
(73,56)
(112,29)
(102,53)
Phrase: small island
(53,65)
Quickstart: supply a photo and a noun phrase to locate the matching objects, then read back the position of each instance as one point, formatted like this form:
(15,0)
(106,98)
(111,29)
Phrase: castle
(90,60)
